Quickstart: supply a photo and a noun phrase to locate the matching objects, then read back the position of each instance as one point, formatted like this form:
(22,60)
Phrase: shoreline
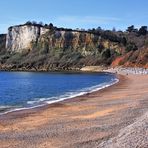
(87,69)
(38,107)
(91,120)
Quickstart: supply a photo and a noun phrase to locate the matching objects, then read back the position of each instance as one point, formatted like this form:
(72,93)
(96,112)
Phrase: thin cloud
(87,19)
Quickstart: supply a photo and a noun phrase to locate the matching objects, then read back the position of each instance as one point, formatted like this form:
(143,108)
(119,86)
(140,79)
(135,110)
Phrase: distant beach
(112,117)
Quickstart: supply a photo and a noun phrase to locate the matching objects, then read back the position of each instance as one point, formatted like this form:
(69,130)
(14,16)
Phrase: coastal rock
(46,47)
(20,37)
(38,47)
(23,37)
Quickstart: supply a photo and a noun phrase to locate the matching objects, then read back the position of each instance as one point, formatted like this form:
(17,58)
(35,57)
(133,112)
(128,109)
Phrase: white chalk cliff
(20,37)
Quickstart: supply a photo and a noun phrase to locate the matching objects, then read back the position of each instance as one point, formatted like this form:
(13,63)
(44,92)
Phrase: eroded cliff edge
(20,37)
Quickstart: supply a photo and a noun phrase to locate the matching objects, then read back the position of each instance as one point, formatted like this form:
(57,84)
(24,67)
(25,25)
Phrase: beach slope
(111,117)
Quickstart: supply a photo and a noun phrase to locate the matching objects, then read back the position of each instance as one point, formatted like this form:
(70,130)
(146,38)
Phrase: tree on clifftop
(50,26)
(142,30)
(130,28)
(28,23)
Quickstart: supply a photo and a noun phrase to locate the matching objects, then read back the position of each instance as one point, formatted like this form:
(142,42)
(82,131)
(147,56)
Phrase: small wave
(3,107)
(70,95)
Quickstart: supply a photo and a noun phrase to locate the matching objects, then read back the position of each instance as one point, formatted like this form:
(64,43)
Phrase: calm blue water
(27,89)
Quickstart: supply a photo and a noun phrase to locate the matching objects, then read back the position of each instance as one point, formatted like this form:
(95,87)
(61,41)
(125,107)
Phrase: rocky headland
(38,47)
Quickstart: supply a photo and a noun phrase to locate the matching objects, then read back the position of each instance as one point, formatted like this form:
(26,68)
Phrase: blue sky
(75,13)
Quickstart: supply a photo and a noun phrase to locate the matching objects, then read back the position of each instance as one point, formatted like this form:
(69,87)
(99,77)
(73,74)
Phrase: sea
(23,90)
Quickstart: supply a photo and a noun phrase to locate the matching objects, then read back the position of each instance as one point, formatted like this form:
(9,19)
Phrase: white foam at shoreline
(74,94)
(67,96)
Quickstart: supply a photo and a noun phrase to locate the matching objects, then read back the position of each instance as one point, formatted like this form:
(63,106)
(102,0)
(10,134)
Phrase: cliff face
(37,47)
(82,42)
(24,37)
(138,58)
(20,37)
(49,48)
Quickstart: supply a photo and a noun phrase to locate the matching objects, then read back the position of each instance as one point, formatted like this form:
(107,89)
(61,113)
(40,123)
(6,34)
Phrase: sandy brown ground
(112,117)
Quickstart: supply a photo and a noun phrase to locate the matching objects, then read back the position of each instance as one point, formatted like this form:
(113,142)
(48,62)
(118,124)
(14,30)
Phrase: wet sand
(107,118)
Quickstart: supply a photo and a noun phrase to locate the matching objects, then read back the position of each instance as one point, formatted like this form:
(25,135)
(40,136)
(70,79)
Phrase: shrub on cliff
(106,53)
(15,58)
(143,30)
(131,47)
(2,43)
